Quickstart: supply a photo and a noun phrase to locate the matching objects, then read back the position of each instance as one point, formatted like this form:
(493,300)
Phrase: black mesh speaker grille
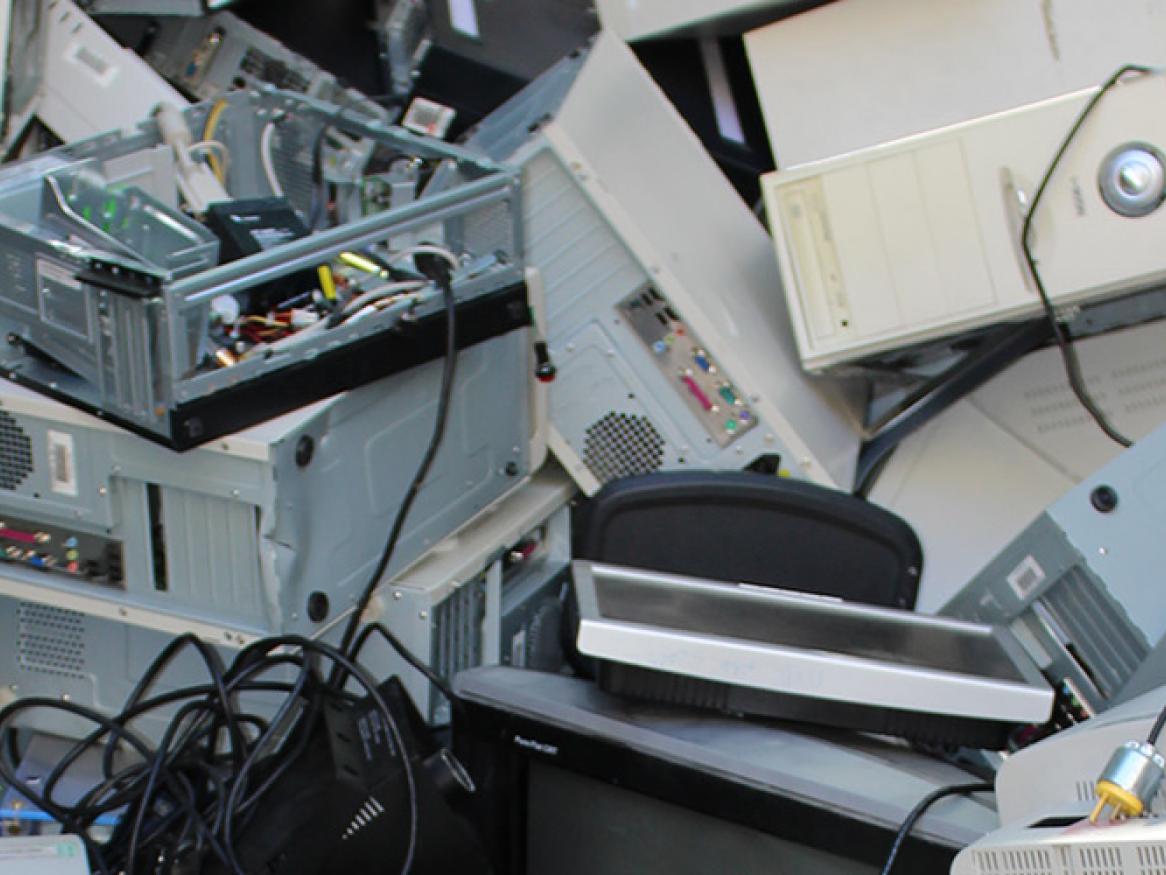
(622,444)
(15,452)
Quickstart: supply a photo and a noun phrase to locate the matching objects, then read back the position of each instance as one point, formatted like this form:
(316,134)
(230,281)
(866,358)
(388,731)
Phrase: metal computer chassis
(107,287)
(275,530)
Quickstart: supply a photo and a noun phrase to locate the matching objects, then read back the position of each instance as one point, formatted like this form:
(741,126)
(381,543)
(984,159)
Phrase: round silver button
(1132,179)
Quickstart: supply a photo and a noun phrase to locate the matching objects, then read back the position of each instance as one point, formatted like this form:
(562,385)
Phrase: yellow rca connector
(327,281)
(359,262)
(1129,781)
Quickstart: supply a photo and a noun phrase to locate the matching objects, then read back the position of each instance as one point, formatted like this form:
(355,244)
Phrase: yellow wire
(208,132)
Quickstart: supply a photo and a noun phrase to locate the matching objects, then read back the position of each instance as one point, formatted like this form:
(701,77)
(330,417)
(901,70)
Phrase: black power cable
(199,787)
(917,812)
(428,673)
(440,272)
(1156,729)
(1064,342)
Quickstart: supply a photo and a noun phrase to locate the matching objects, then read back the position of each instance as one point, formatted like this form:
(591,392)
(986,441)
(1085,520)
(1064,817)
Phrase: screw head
(318,606)
(1103,499)
(305,449)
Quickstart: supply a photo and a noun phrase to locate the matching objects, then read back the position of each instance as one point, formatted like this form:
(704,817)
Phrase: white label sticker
(463,17)
(1026,577)
(62,463)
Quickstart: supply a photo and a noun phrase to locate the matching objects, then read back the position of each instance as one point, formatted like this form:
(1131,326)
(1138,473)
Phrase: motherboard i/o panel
(122,296)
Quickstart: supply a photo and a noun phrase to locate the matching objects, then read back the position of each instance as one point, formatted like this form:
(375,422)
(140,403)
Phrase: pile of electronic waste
(398,467)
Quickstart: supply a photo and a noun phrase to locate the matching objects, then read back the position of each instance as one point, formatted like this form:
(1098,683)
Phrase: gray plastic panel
(1082,579)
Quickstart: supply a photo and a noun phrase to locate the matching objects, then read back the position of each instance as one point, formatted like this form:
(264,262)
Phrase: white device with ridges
(918,239)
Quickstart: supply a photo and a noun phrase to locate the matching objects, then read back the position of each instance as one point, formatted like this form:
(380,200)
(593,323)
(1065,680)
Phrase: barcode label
(1026,577)
(62,463)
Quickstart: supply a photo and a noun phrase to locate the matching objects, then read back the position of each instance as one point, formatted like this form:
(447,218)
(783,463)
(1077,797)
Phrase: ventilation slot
(1104,641)
(457,632)
(15,452)
(368,812)
(51,640)
(1087,792)
(620,445)
(1030,861)
(1151,860)
(1054,407)
(1098,861)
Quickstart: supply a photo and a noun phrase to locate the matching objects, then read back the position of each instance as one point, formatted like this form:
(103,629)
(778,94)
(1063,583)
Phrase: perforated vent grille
(490,230)
(620,445)
(1034,861)
(15,452)
(272,71)
(51,640)
(292,157)
(1151,860)
(457,633)
(1101,633)
(1055,408)
(1139,388)
(1087,792)
(1142,386)
(1098,861)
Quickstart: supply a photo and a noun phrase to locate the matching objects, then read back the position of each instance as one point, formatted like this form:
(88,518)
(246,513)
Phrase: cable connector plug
(1129,781)
(434,267)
